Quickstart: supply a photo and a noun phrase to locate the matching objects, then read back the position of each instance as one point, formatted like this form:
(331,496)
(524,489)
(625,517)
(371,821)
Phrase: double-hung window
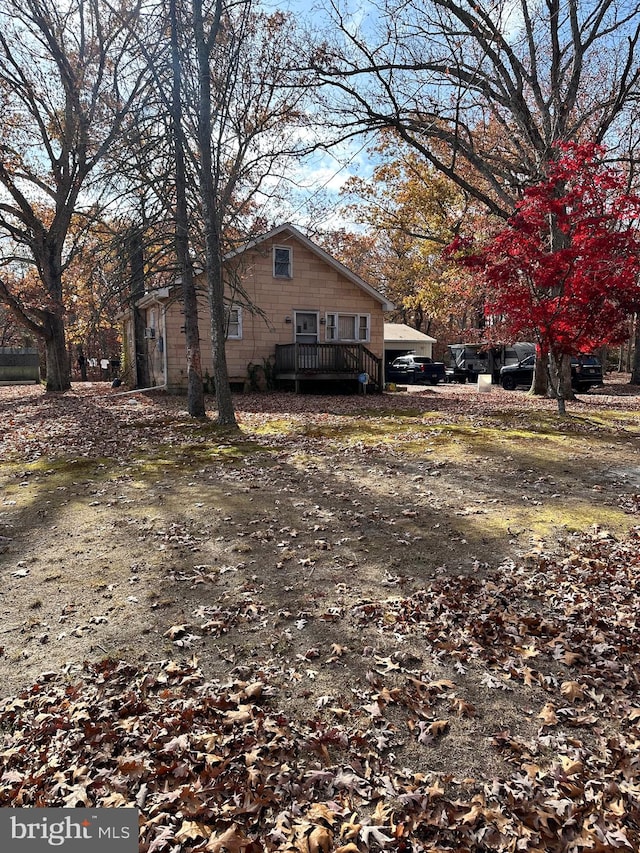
(347,327)
(282,262)
(234,323)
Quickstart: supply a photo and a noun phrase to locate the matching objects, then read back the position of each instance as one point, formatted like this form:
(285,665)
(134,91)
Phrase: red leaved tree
(566,266)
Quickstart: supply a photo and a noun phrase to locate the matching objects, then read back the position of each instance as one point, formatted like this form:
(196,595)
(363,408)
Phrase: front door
(307,333)
(306,327)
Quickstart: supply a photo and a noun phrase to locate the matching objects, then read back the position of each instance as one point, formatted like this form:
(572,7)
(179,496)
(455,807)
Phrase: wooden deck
(327,363)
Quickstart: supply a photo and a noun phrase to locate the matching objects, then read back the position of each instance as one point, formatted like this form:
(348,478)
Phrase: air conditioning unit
(149,333)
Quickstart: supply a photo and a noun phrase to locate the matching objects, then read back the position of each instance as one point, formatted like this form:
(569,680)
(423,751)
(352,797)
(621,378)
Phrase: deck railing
(337,360)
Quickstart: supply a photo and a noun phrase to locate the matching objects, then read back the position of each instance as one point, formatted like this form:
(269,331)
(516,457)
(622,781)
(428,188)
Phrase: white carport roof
(400,333)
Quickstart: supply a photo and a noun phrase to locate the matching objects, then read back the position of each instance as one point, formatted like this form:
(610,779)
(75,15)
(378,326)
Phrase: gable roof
(292,231)
(406,334)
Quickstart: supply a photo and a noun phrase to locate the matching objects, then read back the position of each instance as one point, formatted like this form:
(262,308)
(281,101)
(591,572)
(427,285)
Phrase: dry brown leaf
(176,631)
(571,766)
(190,830)
(232,840)
(382,813)
(253,690)
(240,716)
(571,690)
(320,811)
(438,727)
(320,840)
(548,715)
(76,796)
(462,708)
(441,685)
(350,828)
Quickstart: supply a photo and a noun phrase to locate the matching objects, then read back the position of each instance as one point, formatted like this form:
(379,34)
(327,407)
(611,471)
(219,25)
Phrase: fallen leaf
(548,715)
(232,840)
(571,690)
(190,830)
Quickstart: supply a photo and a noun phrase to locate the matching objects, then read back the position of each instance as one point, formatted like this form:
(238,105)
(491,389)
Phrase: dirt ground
(129,531)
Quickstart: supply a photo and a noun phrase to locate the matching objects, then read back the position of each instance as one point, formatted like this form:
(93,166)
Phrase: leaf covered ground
(405,622)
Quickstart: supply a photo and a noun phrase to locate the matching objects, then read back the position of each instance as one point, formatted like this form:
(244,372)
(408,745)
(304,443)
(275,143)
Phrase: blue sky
(321,177)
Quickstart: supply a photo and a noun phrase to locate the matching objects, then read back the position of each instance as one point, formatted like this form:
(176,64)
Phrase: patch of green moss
(390,414)
(610,419)
(544,521)
(59,474)
(276,426)
(358,431)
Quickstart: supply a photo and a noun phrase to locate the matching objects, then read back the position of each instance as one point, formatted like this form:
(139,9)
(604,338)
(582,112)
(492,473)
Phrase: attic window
(282,262)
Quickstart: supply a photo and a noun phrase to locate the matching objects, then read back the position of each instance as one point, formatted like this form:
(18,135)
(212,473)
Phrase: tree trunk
(560,380)
(135,253)
(58,367)
(212,216)
(195,386)
(635,370)
(224,401)
(82,364)
(540,381)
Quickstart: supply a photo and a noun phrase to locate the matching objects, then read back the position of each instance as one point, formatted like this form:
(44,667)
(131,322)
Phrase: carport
(400,339)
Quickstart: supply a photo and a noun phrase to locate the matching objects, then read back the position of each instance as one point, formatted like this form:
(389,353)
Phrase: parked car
(415,369)
(586,372)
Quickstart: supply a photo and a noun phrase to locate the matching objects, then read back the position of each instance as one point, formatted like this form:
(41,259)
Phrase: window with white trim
(282,262)
(234,323)
(347,327)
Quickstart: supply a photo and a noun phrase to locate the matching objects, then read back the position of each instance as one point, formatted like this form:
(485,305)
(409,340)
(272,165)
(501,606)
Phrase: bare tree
(483,91)
(205,37)
(195,385)
(226,97)
(67,82)
(247,104)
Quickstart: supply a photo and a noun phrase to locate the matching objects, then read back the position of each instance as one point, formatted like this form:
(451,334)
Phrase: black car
(415,369)
(586,371)
(512,375)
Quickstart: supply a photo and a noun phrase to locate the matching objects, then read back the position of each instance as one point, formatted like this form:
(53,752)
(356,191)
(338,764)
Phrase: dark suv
(415,369)
(586,371)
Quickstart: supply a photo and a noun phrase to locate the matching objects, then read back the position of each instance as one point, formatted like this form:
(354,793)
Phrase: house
(400,339)
(294,312)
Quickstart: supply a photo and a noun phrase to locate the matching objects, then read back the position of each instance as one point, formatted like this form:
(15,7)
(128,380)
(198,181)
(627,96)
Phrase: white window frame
(332,325)
(228,322)
(289,251)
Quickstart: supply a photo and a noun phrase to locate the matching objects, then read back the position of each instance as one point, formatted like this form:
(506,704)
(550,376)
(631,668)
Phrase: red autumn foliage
(566,265)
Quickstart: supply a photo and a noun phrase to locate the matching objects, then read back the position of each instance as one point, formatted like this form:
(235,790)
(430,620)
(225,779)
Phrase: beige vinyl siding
(315,286)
